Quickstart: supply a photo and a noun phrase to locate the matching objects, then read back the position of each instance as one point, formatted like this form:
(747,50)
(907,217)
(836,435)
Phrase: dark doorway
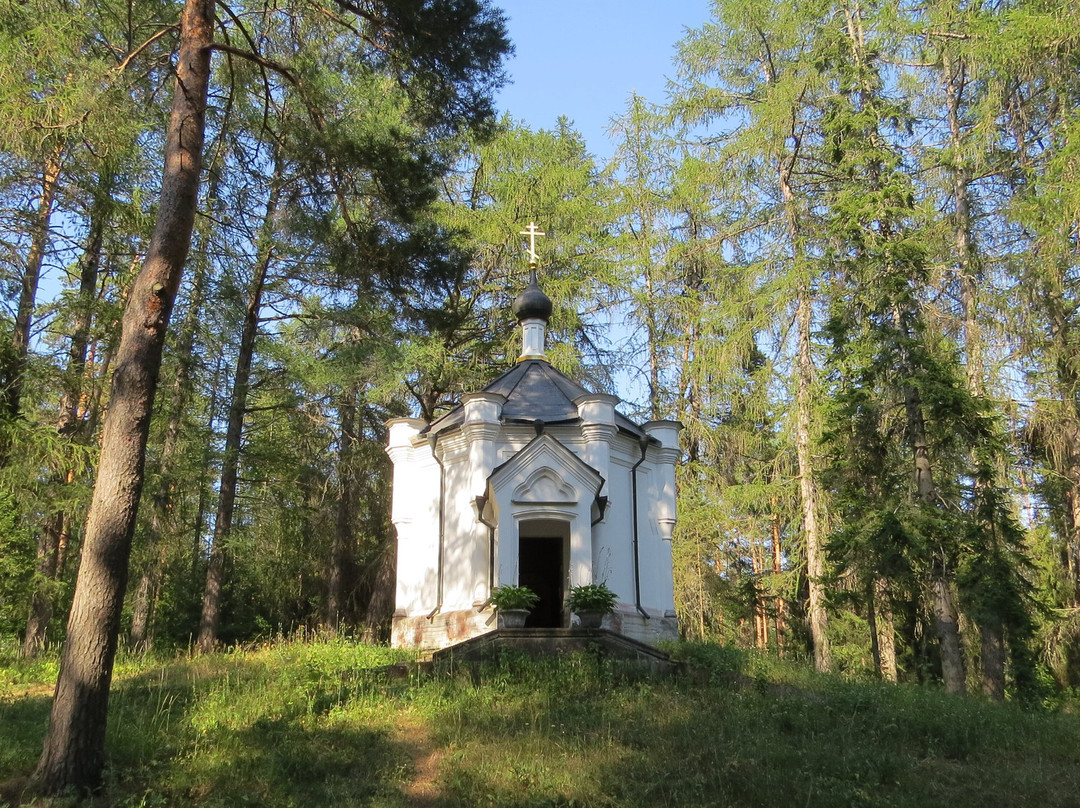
(542,568)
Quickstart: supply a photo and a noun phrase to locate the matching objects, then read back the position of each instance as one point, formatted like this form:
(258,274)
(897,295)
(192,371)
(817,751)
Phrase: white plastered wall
(415,514)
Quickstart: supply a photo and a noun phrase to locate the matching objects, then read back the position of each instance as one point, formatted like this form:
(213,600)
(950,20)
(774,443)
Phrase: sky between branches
(583,59)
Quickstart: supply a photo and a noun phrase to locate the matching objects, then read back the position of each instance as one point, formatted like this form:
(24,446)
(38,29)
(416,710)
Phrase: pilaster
(597,413)
(481,430)
(667,455)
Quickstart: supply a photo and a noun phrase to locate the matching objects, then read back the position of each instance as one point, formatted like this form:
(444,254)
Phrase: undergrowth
(332,722)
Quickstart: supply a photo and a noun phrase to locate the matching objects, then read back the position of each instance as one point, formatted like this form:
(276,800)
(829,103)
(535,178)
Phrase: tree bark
(761,622)
(341,548)
(883,629)
(41,601)
(161,515)
(24,314)
(946,620)
(380,607)
(815,562)
(777,569)
(54,532)
(73,753)
(991,631)
(215,571)
(992,641)
(68,422)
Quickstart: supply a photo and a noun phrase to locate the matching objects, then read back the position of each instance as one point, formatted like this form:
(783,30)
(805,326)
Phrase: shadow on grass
(229,731)
(22,729)
(557,739)
(281,763)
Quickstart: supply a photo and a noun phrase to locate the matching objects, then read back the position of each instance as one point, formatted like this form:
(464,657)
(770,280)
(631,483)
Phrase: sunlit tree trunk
(777,570)
(161,525)
(882,630)
(804,385)
(946,619)
(74,747)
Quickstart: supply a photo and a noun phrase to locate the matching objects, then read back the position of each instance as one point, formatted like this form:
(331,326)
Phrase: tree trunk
(966,256)
(24,314)
(947,629)
(215,571)
(815,562)
(777,569)
(69,422)
(73,753)
(946,620)
(993,659)
(883,630)
(341,549)
(54,532)
(990,628)
(41,601)
(761,623)
(380,607)
(161,514)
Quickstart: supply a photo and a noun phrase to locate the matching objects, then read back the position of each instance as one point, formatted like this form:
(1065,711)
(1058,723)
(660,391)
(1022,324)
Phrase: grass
(325,723)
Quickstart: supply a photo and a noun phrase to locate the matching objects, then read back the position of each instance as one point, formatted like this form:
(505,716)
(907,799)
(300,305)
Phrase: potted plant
(590,602)
(512,604)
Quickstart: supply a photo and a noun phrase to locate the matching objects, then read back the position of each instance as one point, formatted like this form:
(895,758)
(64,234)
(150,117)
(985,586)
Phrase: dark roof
(534,391)
(532,303)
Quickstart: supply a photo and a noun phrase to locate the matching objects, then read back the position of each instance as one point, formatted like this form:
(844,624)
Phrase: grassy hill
(332,723)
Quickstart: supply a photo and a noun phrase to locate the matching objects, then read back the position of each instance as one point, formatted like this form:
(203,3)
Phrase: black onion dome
(532,303)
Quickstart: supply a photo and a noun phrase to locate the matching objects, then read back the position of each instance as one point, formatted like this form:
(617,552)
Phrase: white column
(661,580)
(597,413)
(406,508)
(399,446)
(669,453)
(481,429)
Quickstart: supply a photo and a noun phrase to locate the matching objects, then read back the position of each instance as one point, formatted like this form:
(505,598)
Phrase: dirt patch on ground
(423,788)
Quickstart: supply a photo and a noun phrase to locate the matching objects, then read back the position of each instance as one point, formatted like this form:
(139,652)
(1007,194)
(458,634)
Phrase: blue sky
(583,59)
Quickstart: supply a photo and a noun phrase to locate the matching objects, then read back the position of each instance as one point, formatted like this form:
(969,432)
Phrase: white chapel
(535,481)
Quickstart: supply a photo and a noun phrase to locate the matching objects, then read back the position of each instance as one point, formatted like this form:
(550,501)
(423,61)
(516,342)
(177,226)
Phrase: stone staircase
(626,653)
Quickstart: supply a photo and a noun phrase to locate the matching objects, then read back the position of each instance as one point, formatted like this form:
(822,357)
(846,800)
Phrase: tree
(446,54)
(238,401)
(769,159)
(73,751)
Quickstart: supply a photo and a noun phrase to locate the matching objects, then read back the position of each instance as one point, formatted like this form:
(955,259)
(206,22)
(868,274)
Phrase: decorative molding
(545,485)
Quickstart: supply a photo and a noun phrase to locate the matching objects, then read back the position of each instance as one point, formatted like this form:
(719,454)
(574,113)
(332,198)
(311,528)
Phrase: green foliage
(591,597)
(16,567)
(512,596)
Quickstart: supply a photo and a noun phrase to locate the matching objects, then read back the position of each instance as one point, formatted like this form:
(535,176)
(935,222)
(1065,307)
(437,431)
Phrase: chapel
(532,480)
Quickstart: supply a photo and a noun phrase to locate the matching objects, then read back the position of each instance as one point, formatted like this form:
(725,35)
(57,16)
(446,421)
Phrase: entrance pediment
(546,472)
(545,486)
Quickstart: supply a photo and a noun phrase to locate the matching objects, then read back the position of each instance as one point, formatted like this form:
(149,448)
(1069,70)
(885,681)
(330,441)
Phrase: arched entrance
(544,567)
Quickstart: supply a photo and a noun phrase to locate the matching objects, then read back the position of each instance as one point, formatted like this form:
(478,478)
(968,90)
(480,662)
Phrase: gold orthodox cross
(532,232)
